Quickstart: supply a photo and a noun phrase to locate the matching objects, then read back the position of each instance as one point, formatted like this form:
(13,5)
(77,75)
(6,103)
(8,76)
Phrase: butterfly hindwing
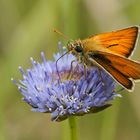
(122,69)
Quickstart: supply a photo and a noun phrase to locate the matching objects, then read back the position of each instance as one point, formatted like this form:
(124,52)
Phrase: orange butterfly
(110,51)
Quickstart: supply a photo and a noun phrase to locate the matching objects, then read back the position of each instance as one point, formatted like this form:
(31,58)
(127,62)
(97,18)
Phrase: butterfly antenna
(60,33)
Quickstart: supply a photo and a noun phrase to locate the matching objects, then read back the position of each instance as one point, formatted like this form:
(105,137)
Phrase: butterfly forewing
(121,42)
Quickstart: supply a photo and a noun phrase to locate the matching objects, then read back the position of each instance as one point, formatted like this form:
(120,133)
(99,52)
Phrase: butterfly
(110,51)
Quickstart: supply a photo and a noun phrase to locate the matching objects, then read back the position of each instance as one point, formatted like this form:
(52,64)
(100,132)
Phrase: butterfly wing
(122,69)
(121,42)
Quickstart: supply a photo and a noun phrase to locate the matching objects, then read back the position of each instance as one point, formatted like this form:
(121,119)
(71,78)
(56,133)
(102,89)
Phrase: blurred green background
(26,30)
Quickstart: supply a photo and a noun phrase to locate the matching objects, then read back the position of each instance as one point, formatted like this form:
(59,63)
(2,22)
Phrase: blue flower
(66,89)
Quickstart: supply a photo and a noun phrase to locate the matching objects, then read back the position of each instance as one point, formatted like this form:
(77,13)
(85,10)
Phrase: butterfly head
(75,47)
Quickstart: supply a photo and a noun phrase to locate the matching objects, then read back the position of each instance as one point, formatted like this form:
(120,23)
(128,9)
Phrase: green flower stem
(73,130)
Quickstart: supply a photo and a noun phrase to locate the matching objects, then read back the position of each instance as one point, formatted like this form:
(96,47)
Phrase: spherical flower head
(65,88)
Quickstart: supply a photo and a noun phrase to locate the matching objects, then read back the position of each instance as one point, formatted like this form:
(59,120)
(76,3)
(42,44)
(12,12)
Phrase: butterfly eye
(78,49)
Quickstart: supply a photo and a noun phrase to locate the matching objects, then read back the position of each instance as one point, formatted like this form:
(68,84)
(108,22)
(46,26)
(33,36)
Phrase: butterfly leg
(71,70)
(101,78)
(85,70)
